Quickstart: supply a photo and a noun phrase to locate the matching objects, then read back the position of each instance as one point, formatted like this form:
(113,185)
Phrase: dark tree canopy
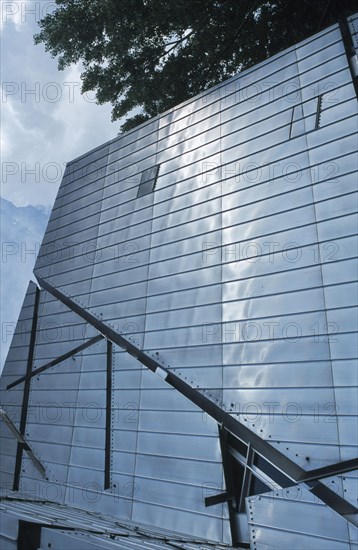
(150,55)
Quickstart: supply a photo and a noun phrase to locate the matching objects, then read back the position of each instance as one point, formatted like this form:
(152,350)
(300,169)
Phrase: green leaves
(150,55)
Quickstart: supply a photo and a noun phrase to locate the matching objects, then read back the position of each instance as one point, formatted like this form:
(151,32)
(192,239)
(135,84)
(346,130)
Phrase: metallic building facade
(185,373)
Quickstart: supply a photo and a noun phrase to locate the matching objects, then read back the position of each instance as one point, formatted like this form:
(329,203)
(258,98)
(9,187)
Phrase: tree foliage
(148,55)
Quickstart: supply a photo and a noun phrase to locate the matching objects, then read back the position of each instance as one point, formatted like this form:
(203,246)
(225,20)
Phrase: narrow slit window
(318,113)
(306,117)
(297,126)
(148,181)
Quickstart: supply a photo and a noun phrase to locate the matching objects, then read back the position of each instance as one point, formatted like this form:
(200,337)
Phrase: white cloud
(14,14)
(46,122)
(84,124)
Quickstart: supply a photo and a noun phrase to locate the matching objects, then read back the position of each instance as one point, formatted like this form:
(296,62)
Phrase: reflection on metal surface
(56,361)
(234,283)
(297,520)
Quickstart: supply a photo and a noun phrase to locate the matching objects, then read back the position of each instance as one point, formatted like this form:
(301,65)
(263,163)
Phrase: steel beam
(25,399)
(108,436)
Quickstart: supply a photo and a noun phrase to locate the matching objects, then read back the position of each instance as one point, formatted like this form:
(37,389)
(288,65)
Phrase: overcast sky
(45,120)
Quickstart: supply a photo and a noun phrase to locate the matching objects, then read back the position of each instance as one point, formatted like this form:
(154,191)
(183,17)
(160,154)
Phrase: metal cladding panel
(270,326)
(345,486)
(8,531)
(236,275)
(125,244)
(147,416)
(17,359)
(57,397)
(73,242)
(58,330)
(293,518)
(11,401)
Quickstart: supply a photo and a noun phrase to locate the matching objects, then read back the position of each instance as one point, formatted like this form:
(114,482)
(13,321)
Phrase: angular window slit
(318,112)
(148,181)
(306,117)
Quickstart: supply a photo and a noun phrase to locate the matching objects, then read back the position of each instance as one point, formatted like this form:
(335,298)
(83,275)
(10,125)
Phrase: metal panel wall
(237,273)
(12,401)
(57,397)
(293,518)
